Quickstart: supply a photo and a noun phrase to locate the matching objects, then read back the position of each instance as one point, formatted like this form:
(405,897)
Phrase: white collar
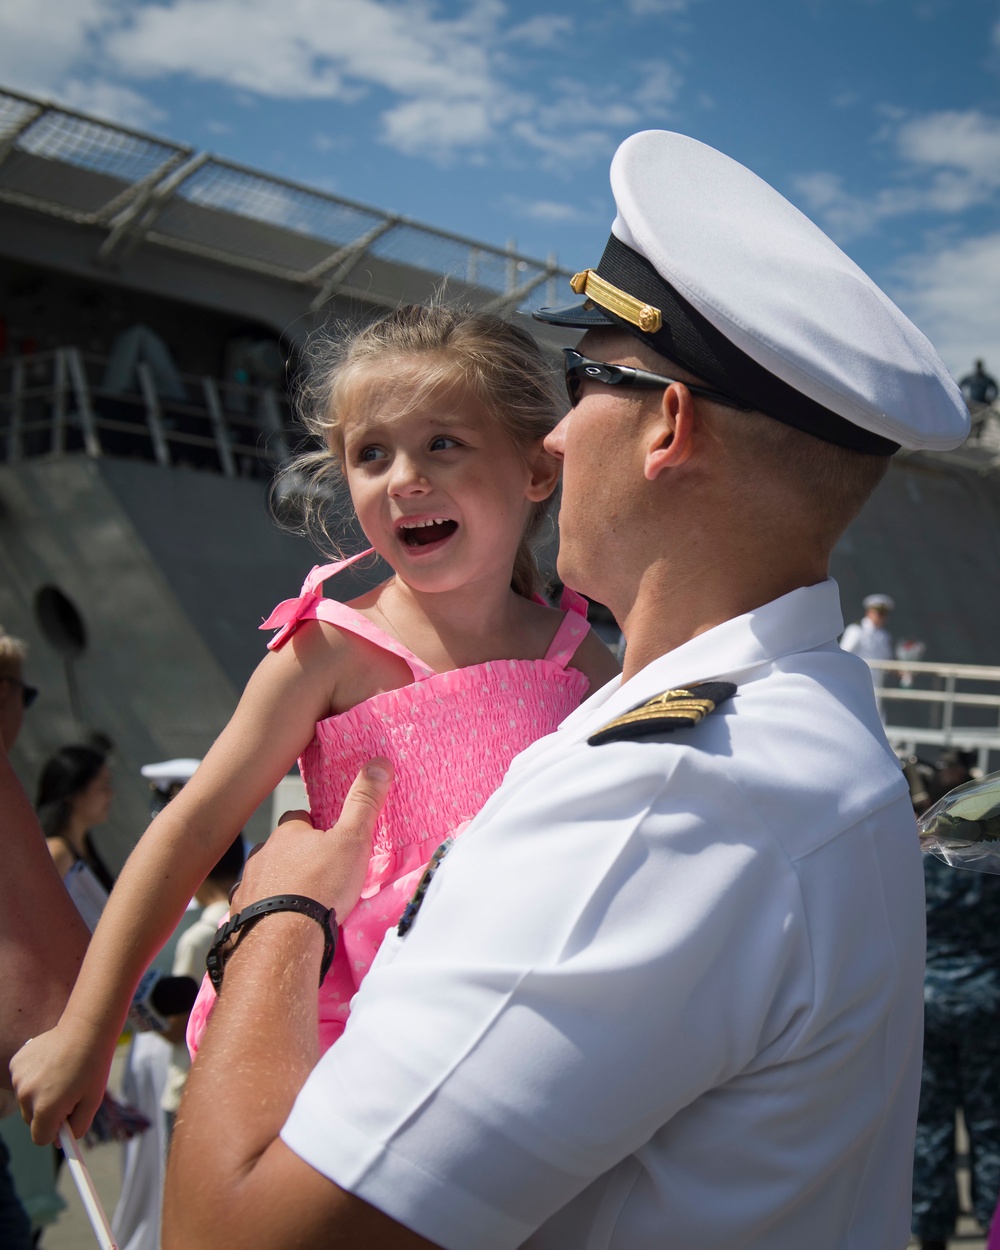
(799,621)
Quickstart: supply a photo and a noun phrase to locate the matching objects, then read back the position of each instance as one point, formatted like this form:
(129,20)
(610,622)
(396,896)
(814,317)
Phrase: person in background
(869,638)
(15,698)
(74,796)
(961,1064)
(979,387)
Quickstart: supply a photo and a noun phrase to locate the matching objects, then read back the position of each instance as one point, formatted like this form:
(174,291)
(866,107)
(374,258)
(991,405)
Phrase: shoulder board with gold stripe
(673,709)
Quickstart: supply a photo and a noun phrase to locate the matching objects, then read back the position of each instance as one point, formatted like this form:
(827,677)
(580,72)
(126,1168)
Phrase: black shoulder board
(673,709)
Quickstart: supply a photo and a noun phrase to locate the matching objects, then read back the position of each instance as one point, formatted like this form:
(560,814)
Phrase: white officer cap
(879,601)
(169,773)
(716,271)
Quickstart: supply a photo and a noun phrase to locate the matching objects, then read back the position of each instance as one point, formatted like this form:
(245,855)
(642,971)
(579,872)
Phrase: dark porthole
(60,621)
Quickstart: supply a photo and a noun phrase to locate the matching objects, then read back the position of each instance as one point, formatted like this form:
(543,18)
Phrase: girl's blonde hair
(501,364)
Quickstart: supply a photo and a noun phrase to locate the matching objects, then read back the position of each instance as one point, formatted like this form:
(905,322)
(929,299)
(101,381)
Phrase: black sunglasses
(580,369)
(28,693)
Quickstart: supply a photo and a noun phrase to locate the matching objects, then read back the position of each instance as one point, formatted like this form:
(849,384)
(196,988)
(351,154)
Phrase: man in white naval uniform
(666,989)
(868,638)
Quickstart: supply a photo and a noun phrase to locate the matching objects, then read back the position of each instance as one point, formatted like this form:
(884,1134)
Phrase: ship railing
(59,401)
(138,190)
(929,707)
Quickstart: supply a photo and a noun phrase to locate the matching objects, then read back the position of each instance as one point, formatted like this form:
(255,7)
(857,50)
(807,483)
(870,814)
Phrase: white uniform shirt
(661,993)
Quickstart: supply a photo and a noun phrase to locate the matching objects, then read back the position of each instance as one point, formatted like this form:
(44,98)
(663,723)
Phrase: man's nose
(555,440)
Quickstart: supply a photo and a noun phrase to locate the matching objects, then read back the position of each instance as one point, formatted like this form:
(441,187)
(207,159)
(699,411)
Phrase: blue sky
(498,118)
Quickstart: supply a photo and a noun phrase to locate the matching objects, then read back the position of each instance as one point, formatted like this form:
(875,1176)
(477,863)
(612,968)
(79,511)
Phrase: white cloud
(324,142)
(564,148)
(436,126)
(547,210)
(542,31)
(652,8)
(968,141)
(949,162)
(582,104)
(40,42)
(111,101)
(454,76)
(309,49)
(845,99)
(953,294)
(660,86)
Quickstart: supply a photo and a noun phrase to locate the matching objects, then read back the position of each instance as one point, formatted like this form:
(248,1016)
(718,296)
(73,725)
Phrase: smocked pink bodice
(450,737)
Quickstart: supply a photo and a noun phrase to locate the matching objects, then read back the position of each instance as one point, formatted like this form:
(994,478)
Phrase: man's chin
(571,574)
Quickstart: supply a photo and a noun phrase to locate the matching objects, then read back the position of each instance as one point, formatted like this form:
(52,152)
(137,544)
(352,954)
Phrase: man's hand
(328,865)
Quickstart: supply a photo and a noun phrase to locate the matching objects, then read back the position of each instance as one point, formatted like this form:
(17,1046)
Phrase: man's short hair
(834,482)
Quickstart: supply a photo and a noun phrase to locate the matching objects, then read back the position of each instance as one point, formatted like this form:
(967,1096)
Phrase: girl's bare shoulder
(595,661)
(592,657)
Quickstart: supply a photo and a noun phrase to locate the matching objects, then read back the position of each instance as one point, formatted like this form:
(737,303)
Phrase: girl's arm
(62,1074)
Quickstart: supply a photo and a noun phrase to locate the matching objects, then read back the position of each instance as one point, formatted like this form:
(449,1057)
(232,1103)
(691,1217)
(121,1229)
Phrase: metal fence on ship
(142,190)
(61,401)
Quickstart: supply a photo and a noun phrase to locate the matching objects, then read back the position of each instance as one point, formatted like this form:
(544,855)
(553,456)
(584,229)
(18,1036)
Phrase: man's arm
(228,1167)
(42,938)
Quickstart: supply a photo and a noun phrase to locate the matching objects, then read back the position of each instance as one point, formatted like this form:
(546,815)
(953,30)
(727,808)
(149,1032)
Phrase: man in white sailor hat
(869,638)
(167,778)
(666,990)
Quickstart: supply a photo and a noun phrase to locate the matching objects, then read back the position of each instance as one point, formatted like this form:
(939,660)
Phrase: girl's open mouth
(423,533)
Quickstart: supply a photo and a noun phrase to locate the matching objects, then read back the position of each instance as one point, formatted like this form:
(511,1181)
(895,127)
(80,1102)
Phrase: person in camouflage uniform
(961,1044)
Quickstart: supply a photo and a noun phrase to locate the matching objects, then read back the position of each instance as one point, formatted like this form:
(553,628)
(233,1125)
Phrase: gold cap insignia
(588,282)
(673,709)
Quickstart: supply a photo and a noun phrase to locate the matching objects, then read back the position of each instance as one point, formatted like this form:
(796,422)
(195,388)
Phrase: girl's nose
(407,477)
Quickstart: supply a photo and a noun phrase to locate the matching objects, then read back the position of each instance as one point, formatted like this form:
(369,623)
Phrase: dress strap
(572,630)
(311,605)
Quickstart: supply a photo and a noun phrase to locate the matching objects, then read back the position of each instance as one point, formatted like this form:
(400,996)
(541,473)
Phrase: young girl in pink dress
(453,665)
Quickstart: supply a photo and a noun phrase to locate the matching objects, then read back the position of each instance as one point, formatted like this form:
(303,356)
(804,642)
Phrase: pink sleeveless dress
(450,737)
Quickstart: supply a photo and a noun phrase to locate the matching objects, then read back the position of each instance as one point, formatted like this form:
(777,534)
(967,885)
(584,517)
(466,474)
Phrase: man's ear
(670,437)
(545,470)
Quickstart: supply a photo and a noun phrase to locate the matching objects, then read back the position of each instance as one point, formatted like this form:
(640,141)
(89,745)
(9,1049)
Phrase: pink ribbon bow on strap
(289,612)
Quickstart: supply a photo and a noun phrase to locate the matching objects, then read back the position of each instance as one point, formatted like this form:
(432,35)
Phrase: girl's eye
(367,454)
(443,443)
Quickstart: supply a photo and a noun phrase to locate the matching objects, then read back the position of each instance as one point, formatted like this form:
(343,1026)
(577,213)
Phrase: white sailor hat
(720,274)
(879,601)
(169,773)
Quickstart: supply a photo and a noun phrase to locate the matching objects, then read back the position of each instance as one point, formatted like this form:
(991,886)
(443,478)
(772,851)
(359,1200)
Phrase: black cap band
(689,339)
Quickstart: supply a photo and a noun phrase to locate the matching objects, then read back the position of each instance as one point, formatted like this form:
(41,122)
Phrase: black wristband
(234,928)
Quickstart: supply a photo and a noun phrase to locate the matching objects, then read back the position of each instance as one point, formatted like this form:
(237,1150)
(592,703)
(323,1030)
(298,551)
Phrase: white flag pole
(85,1184)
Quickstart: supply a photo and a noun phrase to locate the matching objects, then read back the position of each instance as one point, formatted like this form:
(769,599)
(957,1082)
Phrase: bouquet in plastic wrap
(963,828)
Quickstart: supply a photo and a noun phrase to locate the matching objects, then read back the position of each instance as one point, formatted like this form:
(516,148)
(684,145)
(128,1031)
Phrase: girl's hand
(60,1076)
(328,865)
